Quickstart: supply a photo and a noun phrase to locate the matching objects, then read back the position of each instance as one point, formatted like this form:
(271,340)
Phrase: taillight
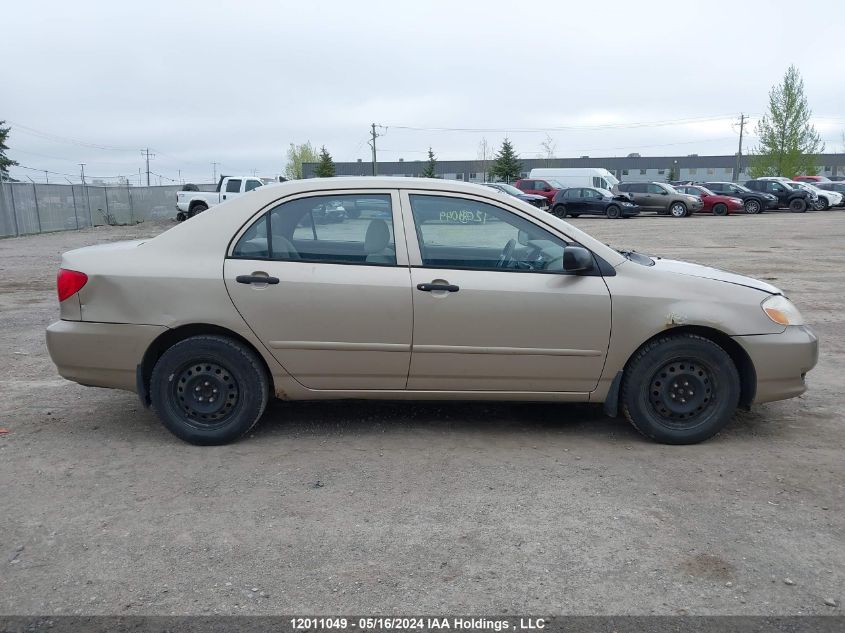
(69,282)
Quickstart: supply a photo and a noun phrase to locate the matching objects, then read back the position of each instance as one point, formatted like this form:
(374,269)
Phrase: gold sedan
(389,288)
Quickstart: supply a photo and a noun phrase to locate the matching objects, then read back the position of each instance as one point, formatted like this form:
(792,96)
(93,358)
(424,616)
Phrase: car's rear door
(481,324)
(335,309)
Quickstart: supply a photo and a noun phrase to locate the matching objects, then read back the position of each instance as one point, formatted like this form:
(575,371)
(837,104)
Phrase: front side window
(468,234)
(332,229)
(252,184)
(233,185)
(652,188)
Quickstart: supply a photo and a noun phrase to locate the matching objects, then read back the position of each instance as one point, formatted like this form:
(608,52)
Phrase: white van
(577,176)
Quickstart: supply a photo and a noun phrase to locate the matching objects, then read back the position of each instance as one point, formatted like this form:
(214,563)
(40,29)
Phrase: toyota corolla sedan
(430,290)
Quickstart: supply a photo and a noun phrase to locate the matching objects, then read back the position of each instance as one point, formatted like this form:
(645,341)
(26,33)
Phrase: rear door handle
(430,287)
(256,279)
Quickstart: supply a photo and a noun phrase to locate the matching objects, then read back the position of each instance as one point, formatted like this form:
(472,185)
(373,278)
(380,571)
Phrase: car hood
(697,270)
(531,196)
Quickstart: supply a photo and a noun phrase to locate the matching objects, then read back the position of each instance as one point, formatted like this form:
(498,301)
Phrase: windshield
(668,187)
(743,188)
(604,192)
(703,190)
(556,184)
(506,188)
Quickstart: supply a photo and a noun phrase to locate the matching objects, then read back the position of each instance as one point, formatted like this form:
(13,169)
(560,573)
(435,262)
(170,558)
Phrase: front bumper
(781,361)
(100,354)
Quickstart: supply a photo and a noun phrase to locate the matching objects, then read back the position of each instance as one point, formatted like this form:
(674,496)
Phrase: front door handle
(256,279)
(430,287)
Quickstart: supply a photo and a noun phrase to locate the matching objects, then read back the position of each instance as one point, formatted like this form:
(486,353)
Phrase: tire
(822,204)
(614,212)
(198,208)
(194,373)
(181,217)
(720,209)
(559,211)
(574,215)
(678,210)
(798,205)
(655,403)
(753,206)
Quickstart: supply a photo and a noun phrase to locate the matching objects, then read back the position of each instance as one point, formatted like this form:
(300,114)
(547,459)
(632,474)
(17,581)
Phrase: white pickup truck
(189,203)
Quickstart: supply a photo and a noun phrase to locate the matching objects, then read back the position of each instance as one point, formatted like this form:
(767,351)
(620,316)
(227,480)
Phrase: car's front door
(493,308)
(336,307)
(592,201)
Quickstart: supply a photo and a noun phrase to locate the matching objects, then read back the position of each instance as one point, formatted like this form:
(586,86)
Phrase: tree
(485,152)
(298,154)
(325,168)
(506,164)
(789,144)
(672,174)
(5,163)
(428,171)
(548,146)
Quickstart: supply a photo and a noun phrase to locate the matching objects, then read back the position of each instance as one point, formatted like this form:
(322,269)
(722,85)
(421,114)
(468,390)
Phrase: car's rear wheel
(574,215)
(614,212)
(198,208)
(209,390)
(680,389)
(181,217)
(753,206)
(559,210)
(720,209)
(678,210)
(798,205)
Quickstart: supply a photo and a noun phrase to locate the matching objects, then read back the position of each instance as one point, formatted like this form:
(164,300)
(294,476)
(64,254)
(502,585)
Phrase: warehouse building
(631,168)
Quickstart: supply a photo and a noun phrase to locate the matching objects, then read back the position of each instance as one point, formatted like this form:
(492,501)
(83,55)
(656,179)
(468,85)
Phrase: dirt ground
(425,508)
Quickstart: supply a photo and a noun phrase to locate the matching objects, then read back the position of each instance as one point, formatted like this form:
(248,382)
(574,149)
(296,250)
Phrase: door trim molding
(340,346)
(504,351)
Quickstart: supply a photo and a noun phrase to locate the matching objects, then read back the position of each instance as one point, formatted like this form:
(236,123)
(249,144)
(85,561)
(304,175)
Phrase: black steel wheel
(209,389)
(720,209)
(680,389)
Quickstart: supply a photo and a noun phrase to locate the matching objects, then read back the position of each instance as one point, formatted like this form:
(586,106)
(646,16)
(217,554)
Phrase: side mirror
(663,192)
(577,259)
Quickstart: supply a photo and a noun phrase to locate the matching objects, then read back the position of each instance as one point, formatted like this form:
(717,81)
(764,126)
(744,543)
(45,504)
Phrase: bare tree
(485,154)
(548,146)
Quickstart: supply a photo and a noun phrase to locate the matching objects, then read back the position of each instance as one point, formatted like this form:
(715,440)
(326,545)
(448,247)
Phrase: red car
(540,187)
(713,202)
(811,179)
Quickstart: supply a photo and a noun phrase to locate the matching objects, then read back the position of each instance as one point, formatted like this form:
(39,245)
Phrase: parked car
(793,198)
(660,197)
(592,201)
(271,307)
(545,187)
(190,202)
(713,203)
(837,178)
(570,177)
(753,201)
(541,202)
(811,179)
(824,199)
(838,187)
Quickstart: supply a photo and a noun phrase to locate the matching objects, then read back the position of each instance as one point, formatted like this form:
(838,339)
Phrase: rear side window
(344,229)
(572,194)
(233,186)
(525,185)
(638,187)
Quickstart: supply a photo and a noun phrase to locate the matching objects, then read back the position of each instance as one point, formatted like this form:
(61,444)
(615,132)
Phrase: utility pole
(214,176)
(742,119)
(83,172)
(147,155)
(372,144)
(47,176)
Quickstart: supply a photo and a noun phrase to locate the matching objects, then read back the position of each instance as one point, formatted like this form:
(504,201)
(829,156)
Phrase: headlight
(782,311)
(627,204)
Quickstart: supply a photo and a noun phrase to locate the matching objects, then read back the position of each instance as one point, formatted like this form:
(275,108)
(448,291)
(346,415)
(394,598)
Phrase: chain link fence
(27,208)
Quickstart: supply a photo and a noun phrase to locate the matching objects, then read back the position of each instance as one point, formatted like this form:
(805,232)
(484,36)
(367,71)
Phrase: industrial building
(628,168)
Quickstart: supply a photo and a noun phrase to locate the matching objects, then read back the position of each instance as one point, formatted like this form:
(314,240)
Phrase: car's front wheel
(720,209)
(821,204)
(798,205)
(680,389)
(753,206)
(614,212)
(209,389)
(678,210)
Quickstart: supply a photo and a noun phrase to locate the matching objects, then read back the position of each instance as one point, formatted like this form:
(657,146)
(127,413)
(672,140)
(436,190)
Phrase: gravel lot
(400,508)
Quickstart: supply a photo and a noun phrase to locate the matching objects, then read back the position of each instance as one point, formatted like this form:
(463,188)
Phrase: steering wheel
(507,254)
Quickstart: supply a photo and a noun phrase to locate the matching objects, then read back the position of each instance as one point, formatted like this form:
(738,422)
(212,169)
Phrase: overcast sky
(235,83)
